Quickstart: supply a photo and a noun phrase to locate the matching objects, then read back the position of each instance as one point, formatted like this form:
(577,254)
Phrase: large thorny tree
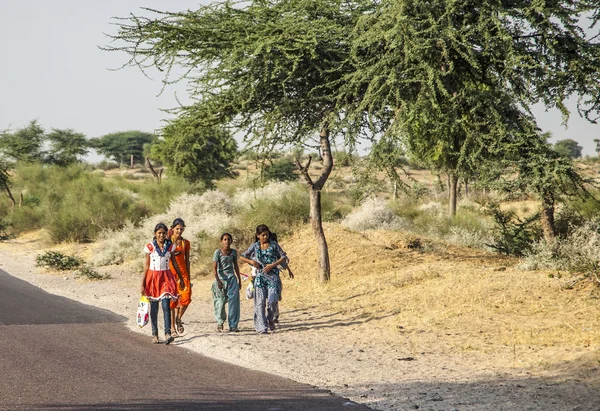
(271,69)
(452,79)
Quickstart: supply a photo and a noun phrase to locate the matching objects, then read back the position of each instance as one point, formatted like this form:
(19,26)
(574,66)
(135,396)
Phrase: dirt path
(340,351)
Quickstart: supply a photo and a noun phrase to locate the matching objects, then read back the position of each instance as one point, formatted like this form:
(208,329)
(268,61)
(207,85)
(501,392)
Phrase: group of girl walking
(166,279)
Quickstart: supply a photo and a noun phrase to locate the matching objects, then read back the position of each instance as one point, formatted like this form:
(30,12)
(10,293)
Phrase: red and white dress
(160,281)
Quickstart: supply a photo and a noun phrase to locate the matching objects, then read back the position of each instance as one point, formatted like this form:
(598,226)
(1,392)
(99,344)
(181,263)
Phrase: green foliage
(66,147)
(4,234)
(280,170)
(568,148)
(343,158)
(456,83)
(106,165)
(58,261)
(92,274)
(24,144)
(280,214)
(272,69)
(74,204)
(195,152)
(120,146)
(513,235)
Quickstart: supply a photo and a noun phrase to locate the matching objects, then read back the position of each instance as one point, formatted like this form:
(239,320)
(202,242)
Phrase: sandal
(155,339)
(179,324)
(174,334)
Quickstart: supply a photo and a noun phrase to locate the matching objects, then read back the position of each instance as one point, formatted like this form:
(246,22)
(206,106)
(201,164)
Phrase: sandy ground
(335,351)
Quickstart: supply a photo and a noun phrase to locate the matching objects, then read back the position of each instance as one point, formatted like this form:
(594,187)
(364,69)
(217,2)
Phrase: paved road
(59,354)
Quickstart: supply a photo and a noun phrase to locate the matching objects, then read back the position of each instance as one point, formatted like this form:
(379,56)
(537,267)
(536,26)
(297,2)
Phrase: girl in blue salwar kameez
(265,255)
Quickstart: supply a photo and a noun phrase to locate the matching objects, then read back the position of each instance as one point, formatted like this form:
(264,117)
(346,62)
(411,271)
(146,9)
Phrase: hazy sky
(51,69)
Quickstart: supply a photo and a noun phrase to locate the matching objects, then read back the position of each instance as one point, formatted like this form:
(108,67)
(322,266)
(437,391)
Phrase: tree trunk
(317,226)
(547,217)
(315,188)
(453,194)
(9,194)
(157,175)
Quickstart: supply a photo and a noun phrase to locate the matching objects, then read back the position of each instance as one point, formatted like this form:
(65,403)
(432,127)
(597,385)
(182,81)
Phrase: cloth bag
(143,311)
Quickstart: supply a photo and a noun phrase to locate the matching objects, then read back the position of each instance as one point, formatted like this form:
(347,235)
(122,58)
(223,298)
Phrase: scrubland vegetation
(118,208)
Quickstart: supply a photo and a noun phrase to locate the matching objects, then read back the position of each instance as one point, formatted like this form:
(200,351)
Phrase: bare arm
(145,274)
(237,272)
(178,271)
(253,263)
(217,279)
(187,260)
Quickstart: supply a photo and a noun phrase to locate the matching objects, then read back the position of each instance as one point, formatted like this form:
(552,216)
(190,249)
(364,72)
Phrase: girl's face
(161,235)
(226,242)
(178,231)
(264,237)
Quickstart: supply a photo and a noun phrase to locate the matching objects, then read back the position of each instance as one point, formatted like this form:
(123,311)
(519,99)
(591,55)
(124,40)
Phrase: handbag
(143,310)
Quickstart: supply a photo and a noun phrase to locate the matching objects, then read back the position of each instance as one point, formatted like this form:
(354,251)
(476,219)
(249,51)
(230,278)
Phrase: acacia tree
(568,148)
(24,144)
(120,146)
(528,163)
(268,68)
(66,147)
(449,77)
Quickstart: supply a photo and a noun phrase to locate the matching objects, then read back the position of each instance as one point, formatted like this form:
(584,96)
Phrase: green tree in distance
(120,146)
(196,152)
(66,147)
(24,144)
(271,69)
(568,148)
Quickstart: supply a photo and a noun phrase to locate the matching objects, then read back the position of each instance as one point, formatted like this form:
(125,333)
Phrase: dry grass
(473,300)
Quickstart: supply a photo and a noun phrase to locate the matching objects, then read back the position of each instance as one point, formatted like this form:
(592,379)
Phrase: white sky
(52,70)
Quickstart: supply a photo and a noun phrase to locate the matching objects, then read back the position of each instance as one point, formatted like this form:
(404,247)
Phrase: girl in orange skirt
(158,282)
(182,260)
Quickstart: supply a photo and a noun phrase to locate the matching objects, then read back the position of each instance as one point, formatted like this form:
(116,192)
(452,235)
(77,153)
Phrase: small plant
(512,235)
(92,274)
(58,261)
(4,235)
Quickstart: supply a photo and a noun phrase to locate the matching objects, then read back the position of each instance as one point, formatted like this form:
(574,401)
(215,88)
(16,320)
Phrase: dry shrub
(578,252)
(373,214)
(207,216)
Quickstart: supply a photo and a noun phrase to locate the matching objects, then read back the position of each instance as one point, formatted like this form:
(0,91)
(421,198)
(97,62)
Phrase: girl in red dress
(158,282)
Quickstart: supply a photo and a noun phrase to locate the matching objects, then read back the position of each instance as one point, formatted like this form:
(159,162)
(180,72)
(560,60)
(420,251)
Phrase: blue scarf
(164,250)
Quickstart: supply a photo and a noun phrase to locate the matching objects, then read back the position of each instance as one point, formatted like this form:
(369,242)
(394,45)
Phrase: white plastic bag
(250,291)
(143,311)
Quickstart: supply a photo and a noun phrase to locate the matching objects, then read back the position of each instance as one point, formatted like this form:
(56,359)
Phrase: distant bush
(58,261)
(107,165)
(74,204)
(281,170)
(373,214)
(343,158)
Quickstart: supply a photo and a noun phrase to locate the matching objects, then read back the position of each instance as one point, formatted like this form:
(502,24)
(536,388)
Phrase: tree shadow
(493,394)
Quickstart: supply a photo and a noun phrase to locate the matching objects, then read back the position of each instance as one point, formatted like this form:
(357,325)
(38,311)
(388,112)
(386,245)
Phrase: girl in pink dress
(158,282)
